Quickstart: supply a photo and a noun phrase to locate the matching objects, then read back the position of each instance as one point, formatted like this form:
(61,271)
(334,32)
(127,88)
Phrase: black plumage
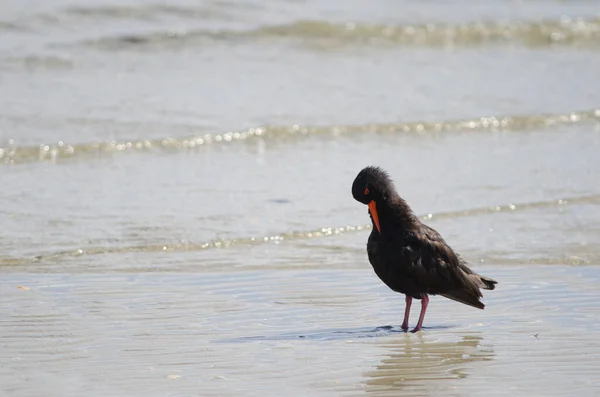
(408,256)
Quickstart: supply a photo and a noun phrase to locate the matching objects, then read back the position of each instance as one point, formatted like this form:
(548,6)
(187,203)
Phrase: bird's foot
(416,329)
(404,326)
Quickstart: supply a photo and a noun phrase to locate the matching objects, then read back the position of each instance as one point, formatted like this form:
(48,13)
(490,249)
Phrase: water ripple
(290,236)
(566,31)
(51,152)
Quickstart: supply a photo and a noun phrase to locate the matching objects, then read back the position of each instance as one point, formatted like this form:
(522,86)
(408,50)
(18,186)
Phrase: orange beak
(373,211)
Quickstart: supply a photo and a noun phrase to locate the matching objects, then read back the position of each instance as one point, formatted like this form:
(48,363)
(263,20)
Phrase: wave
(51,152)
(291,236)
(10,26)
(36,62)
(66,17)
(145,12)
(566,31)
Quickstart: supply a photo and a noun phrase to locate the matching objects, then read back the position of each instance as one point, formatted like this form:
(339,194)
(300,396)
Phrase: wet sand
(303,331)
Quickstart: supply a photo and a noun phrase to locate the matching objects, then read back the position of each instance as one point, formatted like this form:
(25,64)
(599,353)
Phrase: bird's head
(373,186)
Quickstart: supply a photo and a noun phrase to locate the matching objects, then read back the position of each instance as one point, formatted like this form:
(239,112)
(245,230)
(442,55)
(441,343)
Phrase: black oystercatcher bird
(408,256)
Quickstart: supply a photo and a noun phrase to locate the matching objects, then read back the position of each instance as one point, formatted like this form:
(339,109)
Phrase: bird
(410,257)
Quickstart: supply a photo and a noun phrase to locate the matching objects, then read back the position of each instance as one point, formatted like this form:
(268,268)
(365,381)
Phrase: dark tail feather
(462,296)
(482,281)
(470,296)
(488,283)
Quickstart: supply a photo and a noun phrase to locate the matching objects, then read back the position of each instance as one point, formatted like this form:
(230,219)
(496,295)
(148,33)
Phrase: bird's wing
(435,267)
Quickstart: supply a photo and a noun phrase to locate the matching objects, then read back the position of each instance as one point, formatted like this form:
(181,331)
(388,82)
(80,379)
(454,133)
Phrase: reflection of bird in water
(414,366)
(409,256)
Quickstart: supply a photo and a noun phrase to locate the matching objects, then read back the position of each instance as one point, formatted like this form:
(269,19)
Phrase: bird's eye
(366,191)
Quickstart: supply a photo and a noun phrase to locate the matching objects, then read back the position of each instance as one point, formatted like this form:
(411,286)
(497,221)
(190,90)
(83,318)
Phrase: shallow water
(176,216)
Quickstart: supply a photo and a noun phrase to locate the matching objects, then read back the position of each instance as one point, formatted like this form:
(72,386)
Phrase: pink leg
(407,312)
(424,303)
